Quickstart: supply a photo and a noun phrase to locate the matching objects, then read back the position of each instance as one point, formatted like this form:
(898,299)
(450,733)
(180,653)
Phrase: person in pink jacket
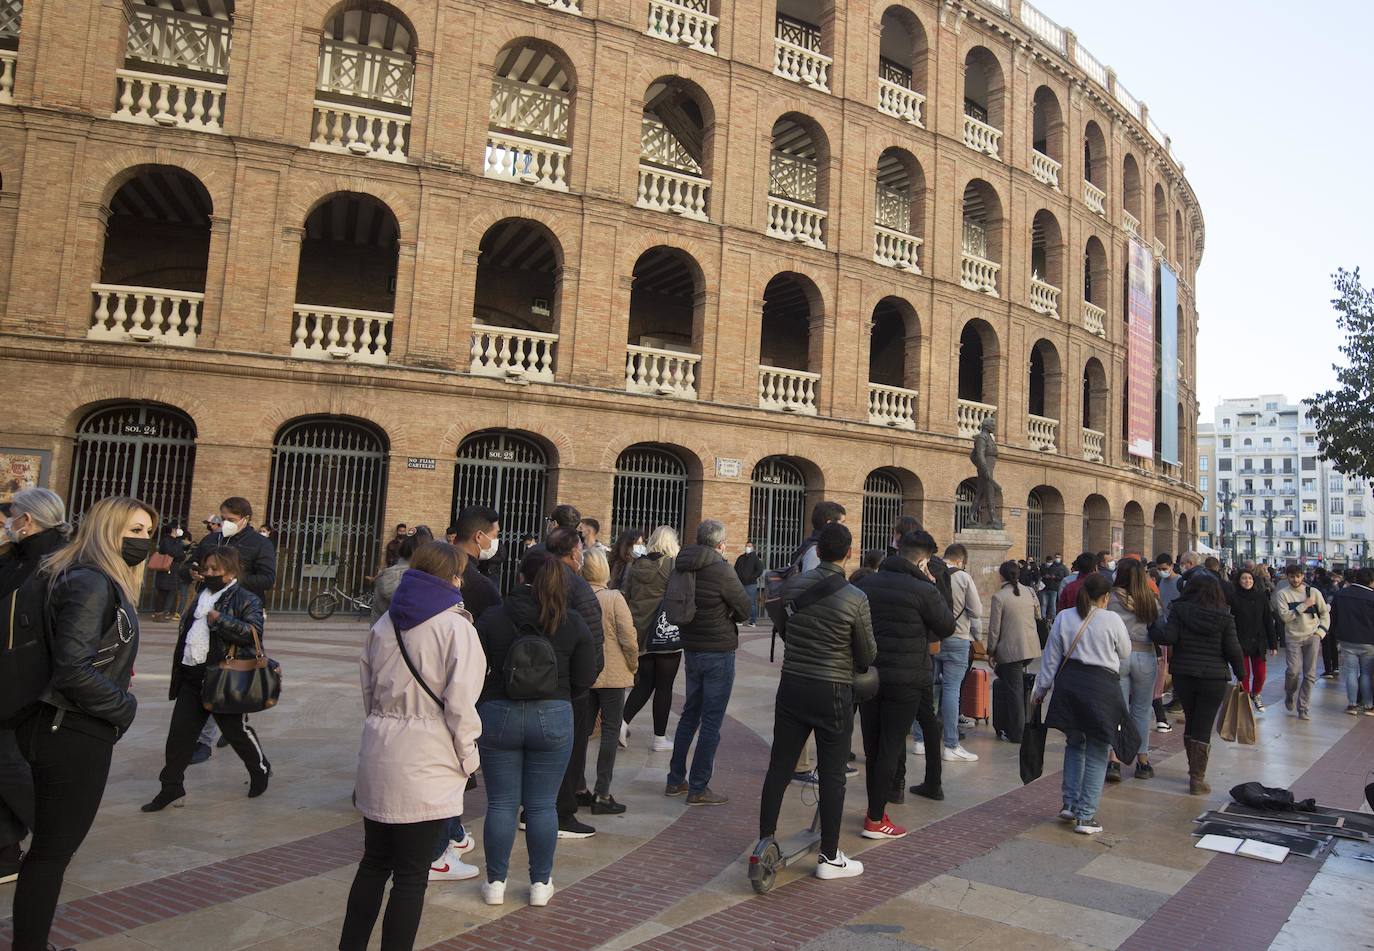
(422,672)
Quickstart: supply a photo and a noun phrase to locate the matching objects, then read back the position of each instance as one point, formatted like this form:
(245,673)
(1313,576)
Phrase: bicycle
(324,605)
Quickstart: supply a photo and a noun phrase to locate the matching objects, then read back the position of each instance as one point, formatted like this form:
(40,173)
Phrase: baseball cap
(213,520)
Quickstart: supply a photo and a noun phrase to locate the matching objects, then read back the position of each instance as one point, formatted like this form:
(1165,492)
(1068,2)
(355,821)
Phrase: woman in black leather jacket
(225,616)
(69,736)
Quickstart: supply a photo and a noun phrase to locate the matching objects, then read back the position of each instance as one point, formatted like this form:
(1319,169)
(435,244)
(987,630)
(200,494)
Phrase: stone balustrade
(518,356)
(338,333)
(1130,222)
(896,249)
(793,221)
(981,137)
(661,372)
(685,22)
(1045,169)
(801,65)
(1044,297)
(156,99)
(899,101)
(1094,319)
(526,161)
(562,6)
(1043,432)
(125,312)
(1095,198)
(791,391)
(970,415)
(892,406)
(8,59)
(354,130)
(1094,445)
(674,192)
(979,274)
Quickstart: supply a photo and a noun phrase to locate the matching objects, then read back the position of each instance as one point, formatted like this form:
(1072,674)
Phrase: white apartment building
(1258,465)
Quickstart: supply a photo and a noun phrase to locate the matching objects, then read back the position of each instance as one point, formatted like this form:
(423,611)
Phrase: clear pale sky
(1267,104)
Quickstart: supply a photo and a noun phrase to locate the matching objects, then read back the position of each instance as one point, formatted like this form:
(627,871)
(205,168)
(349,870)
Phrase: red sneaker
(882,830)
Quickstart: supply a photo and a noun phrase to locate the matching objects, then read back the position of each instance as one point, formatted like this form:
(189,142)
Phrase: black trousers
(400,853)
(188,716)
(70,769)
(1331,655)
(932,732)
(655,677)
(16,791)
(574,778)
(804,707)
(1013,677)
(885,722)
(1202,700)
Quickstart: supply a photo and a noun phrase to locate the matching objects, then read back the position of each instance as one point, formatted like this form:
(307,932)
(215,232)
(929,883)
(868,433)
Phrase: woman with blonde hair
(621,651)
(68,736)
(660,648)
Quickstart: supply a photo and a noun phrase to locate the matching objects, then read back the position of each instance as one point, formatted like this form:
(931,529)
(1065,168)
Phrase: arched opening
(1182,539)
(1096,286)
(889,494)
(1132,196)
(1094,410)
(1185,440)
(325,498)
(791,305)
(508,471)
(978,367)
(665,332)
(650,489)
(365,82)
(1047,263)
(518,301)
(1163,531)
(1161,223)
(899,210)
(777,508)
(675,149)
(798,181)
(963,504)
(902,54)
(346,281)
(983,101)
(1133,539)
(1047,137)
(1180,242)
(1094,166)
(1044,523)
(1097,524)
(164,45)
(894,346)
(155,259)
(982,237)
(1045,384)
(802,42)
(529,129)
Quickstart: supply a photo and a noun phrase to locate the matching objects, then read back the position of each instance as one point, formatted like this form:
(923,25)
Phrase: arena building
(366,262)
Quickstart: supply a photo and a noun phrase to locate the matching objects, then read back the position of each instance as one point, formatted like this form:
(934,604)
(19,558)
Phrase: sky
(1267,106)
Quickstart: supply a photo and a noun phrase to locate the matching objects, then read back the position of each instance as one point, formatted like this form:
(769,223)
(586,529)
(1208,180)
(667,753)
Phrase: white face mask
(1111,566)
(229,529)
(1165,572)
(176,533)
(749,549)
(640,550)
(488,551)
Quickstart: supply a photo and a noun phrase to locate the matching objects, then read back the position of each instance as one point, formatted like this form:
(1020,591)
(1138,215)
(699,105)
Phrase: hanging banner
(1168,358)
(1140,352)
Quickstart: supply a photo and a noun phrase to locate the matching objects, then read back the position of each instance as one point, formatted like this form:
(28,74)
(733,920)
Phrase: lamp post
(1269,531)
(1225,498)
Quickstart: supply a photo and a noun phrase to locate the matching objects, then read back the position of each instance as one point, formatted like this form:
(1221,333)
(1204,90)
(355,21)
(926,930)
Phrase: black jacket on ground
(240,614)
(749,568)
(519,614)
(1256,628)
(93,649)
(720,600)
(257,554)
(1203,640)
(832,638)
(20,562)
(908,616)
(1352,615)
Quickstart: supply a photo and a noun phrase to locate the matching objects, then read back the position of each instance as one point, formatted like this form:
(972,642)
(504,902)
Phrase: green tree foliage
(1345,415)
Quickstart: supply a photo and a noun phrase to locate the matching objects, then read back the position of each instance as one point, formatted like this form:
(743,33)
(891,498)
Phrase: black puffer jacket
(645,581)
(908,615)
(94,632)
(240,614)
(832,638)
(582,599)
(23,557)
(1256,628)
(1204,641)
(720,600)
(1352,615)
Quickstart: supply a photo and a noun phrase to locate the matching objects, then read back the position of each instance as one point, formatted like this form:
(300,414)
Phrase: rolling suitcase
(1003,696)
(975,695)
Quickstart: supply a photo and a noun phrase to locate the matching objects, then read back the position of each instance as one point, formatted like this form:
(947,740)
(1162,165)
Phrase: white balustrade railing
(897,100)
(673,192)
(686,22)
(893,207)
(354,130)
(145,314)
(155,99)
(1044,298)
(179,40)
(1094,443)
(1090,64)
(896,249)
(970,415)
(8,59)
(562,6)
(1130,222)
(792,177)
(529,109)
(979,274)
(801,65)
(999,5)
(517,159)
(659,145)
(1044,168)
(661,372)
(337,333)
(796,222)
(1095,198)
(792,391)
(1159,249)
(892,406)
(11,17)
(1049,32)
(1123,96)
(1094,319)
(1042,431)
(980,136)
(365,72)
(510,354)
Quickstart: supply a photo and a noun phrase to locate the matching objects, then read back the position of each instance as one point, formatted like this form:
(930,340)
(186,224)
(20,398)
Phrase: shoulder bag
(864,684)
(242,685)
(414,671)
(1034,733)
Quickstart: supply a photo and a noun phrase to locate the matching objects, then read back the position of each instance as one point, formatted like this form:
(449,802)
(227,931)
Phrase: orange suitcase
(975,695)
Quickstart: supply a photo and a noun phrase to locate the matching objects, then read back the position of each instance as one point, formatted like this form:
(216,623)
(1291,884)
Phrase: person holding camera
(1306,619)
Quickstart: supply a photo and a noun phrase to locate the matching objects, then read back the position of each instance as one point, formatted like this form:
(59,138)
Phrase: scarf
(197,648)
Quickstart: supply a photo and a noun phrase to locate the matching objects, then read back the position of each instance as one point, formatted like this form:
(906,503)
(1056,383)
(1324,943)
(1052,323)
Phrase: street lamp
(1269,530)
(1225,498)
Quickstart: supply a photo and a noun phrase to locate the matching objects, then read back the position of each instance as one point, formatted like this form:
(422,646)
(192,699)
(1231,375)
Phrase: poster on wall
(1140,352)
(1168,358)
(22,469)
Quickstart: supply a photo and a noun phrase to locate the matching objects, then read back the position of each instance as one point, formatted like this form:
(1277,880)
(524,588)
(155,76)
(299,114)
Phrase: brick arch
(802,108)
(822,290)
(693,458)
(89,398)
(971,39)
(563,234)
(113,171)
(310,193)
(500,32)
(559,444)
(316,13)
(396,431)
(708,84)
(910,9)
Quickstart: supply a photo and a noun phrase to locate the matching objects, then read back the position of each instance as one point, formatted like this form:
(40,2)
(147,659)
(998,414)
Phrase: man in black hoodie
(1352,626)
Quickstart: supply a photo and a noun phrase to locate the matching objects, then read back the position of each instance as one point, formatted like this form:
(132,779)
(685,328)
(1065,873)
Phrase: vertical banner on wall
(1140,352)
(1168,357)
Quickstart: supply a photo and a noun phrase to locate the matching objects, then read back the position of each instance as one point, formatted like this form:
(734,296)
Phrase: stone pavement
(988,868)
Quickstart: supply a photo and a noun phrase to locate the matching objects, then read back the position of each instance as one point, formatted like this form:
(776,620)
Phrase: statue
(987,497)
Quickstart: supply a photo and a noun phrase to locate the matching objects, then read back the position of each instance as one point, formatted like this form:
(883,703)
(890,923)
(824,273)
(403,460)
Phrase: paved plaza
(988,868)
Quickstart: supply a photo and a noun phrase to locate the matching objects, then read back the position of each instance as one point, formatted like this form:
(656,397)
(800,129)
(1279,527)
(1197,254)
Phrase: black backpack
(25,656)
(530,671)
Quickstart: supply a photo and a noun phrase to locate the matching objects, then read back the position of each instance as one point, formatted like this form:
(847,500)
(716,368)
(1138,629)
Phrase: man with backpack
(706,601)
(749,569)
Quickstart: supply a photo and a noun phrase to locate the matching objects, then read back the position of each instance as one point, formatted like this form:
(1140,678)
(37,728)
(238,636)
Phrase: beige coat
(621,640)
(415,759)
(1011,626)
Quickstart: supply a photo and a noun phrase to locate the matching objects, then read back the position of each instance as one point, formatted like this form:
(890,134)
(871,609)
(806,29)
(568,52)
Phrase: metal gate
(325,500)
(1035,528)
(650,490)
(139,449)
(882,508)
(777,510)
(963,505)
(507,472)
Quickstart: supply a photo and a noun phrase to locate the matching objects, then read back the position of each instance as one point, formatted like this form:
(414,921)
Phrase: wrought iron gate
(1035,528)
(882,508)
(777,511)
(325,499)
(963,505)
(508,472)
(650,490)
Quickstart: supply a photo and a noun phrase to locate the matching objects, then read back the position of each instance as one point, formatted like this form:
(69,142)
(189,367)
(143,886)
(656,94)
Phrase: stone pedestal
(987,549)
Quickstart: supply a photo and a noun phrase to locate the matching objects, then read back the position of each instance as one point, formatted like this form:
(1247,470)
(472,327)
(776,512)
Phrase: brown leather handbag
(242,685)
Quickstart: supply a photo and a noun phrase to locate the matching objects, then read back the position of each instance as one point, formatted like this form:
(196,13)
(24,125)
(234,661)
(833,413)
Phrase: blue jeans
(1138,690)
(951,664)
(1085,769)
(751,591)
(453,831)
(525,747)
(1048,599)
(710,678)
(1357,669)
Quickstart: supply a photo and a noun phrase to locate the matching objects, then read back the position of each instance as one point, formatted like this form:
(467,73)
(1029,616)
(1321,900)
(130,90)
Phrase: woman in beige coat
(422,672)
(608,693)
(1013,644)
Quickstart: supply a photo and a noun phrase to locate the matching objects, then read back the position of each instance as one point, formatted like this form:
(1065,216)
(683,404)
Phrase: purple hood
(420,597)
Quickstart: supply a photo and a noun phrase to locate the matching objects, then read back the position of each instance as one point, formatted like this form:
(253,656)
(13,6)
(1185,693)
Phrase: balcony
(337,333)
(1044,298)
(896,249)
(684,22)
(8,58)
(677,193)
(562,6)
(979,274)
(353,130)
(661,372)
(970,416)
(1159,249)
(791,391)
(1130,222)
(183,41)
(1045,169)
(516,356)
(1094,445)
(1094,319)
(793,221)
(981,137)
(1095,198)
(900,102)
(145,315)
(1288,491)
(155,99)
(382,76)
(1043,433)
(797,54)
(526,161)
(891,406)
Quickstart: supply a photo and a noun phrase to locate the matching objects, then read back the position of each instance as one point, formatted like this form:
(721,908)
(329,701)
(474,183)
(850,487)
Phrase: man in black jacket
(908,616)
(749,569)
(1352,626)
(478,532)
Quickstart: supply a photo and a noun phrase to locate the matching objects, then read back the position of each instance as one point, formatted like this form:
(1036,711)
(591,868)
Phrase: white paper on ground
(1254,849)
(1220,843)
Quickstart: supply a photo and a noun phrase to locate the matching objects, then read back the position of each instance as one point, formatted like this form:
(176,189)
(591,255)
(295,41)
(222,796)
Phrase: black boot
(257,782)
(167,796)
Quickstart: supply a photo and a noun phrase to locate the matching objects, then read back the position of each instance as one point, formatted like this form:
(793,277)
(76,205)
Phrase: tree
(1345,415)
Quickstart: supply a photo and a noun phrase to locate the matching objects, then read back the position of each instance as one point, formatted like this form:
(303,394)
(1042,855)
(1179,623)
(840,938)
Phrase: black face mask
(135,551)
(215,583)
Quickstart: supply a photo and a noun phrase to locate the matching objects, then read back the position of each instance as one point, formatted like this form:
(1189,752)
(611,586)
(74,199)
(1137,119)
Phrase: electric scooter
(772,854)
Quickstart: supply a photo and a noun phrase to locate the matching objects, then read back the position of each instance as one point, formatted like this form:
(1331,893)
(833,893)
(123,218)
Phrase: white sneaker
(841,866)
(967,723)
(466,845)
(918,747)
(624,735)
(494,893)
(451,868)
(958,755)
(662,744)
(540,893)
